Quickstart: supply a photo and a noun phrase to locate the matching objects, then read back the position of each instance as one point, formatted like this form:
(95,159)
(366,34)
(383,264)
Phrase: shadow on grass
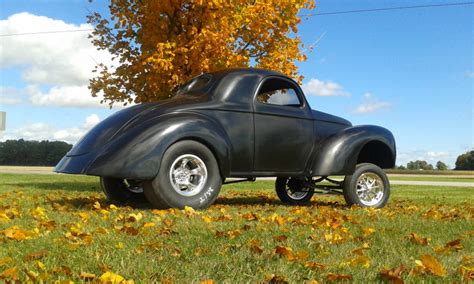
(256,200)
(73,186)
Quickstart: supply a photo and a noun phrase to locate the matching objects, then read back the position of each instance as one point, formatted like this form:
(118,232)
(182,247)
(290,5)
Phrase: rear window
(197,84)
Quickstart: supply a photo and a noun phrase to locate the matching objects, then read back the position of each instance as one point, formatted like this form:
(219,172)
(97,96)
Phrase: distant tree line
(32,153)
(464,162)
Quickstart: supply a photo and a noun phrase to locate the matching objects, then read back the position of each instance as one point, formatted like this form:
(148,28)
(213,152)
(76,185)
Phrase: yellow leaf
(432,265)
(87,276)
(110,277)
(10,273)
(368,231)
(314,265)
(5,260)
(337,277)
(148,224)
(392,275)
(40,265)
(414,238)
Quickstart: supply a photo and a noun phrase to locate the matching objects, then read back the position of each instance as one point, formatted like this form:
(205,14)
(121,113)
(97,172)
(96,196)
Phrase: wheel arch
(341,152)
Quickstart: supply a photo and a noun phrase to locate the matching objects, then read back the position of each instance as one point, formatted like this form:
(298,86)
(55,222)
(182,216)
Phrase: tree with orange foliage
(160,44)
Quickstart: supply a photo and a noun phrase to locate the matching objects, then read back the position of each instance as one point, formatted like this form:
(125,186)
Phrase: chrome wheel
(295,191)
(370,189)
(188,175)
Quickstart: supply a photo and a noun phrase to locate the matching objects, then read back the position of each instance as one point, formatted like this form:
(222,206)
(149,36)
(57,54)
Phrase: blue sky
(411,71)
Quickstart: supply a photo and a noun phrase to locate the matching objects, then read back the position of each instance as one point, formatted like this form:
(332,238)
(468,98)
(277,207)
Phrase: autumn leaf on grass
(250,216)
(314,265)
(15,233)
(5,260)
(87,276)
(275,279)
(416,239)
(39,213)
(9,274)
(288,253)
(4,218)
(110,277)
(429,264)
(368,231)
(360,260)
(37,255)
(207,281)
(331,277)
(334,238)
(393,275)
(467,273)
(232,234)
(360,250)
(283,251)
(280,238)
(450,246)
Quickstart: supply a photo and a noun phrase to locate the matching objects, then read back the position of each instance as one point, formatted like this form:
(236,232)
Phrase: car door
(283,127)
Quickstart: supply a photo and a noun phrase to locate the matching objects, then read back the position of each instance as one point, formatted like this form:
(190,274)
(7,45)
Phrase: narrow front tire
(368,186)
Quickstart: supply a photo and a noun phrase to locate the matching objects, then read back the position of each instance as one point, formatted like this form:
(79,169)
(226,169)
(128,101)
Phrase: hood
(322,116)
(125,119)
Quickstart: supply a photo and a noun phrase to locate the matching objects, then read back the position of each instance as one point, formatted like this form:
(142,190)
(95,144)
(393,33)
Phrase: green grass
(217,243)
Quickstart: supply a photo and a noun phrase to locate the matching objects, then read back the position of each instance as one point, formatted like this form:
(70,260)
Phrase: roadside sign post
(3,117)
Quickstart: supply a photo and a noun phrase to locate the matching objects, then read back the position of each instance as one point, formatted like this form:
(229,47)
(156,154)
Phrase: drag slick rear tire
(189,176)
(120,191)
(292,191)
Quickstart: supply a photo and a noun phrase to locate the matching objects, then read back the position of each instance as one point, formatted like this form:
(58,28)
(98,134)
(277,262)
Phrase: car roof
(251,70)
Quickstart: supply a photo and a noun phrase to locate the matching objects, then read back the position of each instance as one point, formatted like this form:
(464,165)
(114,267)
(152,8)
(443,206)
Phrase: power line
(304,15)
(387,9)
(47,32)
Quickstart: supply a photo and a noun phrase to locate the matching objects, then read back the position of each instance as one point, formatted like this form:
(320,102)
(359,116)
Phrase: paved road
(434,183)
(416,182)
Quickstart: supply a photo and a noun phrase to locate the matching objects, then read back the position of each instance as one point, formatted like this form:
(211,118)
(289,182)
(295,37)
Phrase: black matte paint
(249,139)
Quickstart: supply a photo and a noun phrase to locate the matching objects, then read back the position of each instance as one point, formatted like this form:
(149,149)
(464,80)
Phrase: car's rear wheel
(293,191)
(188,176)
(368,186)
(122,190)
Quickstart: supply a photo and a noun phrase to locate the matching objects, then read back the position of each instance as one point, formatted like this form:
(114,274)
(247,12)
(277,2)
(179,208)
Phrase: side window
(280,92)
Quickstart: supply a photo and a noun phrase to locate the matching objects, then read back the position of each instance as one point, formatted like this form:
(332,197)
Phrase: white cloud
(9,96)
(370,104)
(44,131)
(56,59)
(66,96)
(317,87)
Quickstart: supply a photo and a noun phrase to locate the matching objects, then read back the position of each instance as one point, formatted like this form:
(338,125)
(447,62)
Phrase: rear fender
(137,153)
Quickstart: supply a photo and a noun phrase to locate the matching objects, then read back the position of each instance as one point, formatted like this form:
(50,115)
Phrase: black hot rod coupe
(237,123)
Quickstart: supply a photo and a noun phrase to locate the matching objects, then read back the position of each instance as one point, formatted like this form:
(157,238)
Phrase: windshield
(197,84)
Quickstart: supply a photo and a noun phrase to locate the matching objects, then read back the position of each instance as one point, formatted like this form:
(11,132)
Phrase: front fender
(137,153)
(338,154)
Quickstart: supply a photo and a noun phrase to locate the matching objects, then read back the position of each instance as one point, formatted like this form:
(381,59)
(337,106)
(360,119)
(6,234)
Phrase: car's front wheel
(293,191)
(368,186)
(188,176)
(120,191)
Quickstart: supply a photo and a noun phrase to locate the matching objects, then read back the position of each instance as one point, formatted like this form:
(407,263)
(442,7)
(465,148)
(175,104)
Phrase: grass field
(57,227)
